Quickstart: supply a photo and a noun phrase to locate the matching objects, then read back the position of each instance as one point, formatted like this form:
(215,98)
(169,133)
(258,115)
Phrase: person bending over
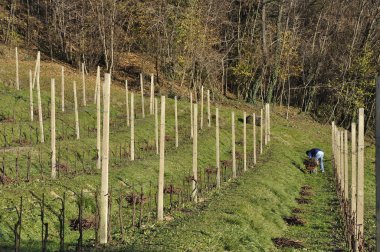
(317,154)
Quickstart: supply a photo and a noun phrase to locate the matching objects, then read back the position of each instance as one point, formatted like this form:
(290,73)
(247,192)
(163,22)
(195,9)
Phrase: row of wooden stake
(352,206)
(103,146)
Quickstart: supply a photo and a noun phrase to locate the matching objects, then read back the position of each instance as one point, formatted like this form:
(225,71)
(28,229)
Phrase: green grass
(78,155)
(248,213)
(242,216)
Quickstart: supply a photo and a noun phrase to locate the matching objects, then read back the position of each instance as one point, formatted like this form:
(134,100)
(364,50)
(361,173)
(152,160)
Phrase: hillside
(244,215)
(320,56)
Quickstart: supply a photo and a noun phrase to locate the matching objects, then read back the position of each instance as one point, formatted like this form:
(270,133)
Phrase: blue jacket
(313,152)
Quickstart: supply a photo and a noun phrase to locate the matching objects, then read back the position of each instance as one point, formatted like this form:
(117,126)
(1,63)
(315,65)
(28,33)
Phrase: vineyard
(252,194)
(65,208)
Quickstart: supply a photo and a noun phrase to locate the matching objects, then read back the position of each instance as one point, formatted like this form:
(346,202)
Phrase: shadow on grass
(298,166)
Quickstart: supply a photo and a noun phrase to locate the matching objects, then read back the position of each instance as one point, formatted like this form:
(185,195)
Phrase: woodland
(319,55)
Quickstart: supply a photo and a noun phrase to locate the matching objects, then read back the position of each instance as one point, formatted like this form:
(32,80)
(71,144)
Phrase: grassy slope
(248,213)
(245,215)
(370,197)
(142,171)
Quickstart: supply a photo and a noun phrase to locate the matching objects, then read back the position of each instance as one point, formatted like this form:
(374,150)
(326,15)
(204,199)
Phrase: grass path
(248,213)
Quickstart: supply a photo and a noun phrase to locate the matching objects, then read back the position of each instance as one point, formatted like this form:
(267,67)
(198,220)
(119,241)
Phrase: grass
(248,213)
(125,176)
(242,216)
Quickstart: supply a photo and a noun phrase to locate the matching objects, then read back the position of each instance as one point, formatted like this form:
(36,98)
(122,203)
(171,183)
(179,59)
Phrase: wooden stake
(31,94)
(63,89)
(268,121)
(132,128)
(84,86)
(151,94)
(17,77)
(103,225)
(194,194)
(341,166)
(98,120)
(76,110)
(191,116)
(377,161)
(261,131)
(36,68)
(338,154)
(266,125)
(52,127)
(142,95)
(127,101)
(160,197)
(332,137)
(202,107)
(353,169)
(346,165)
(208,108)
(176,121)
(254,137)
(360,184)
(156,123)
(217,148)
(337,159)
(96,86)
(233,144)
(40,119)
(245,140)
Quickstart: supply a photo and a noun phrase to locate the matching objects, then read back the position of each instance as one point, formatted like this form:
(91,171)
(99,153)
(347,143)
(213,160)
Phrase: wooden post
(233,144)
(103,225)
(268,122)
(337,154)
(176,121)
(63,89)
(254,137)
(84,86)
(245,140)
(132,127)
(217,148)
(52,128)
(346,165)
(17,76)
(208,108)
(377,163)
(202,107)
(332,138)
(98,120)
(160,197)
(194,194)
(191,116)
(127,101)
(97,85)
(156,123)
(353,169)
(261,131)
(40,119)
(31,94)
(36,68)
(360,185)
(266,125)
(333,143)
(76,110)
(341,166)
(151,94)
(142,95)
